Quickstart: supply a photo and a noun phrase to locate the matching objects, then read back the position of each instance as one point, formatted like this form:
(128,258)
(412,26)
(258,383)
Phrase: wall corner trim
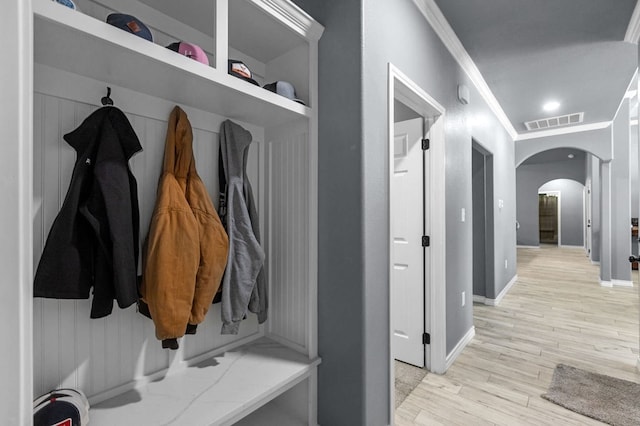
(606,283)
(622,283)
(633,29)
(457,350)
(439,23)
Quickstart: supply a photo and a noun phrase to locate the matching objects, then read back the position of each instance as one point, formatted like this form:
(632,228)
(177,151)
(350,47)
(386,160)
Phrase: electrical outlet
(500,204)
(506,264)
(462,214)
(464,300)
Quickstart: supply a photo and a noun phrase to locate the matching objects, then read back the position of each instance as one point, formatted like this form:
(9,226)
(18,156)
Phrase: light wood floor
(557,312)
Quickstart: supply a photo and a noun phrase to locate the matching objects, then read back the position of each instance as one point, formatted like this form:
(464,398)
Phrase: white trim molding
(455,353)
(622,283)
(504,291)
(497,300)
(606,283)
(479,299)
(595,262)
(569,246)
(564,130)
(633,29)
(527,247)
(439,23)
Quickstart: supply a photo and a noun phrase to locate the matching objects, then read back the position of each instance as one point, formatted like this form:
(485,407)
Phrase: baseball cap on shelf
(284,88)
(130,24)
(240,70)
(69,3)
(190,51)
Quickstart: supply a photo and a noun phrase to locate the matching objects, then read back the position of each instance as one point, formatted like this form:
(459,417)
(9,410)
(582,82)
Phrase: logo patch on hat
(240,68)
(133,26)
(66,422)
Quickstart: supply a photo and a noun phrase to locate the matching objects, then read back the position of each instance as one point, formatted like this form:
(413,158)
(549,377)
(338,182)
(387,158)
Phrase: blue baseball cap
(130,24)
(69,3)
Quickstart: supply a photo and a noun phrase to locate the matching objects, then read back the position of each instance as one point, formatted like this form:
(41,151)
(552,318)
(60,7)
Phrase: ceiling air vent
(561,120)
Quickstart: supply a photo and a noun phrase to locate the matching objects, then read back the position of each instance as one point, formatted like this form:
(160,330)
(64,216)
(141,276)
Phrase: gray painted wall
(529,178)
(621,197)
(353,297)
(342,317)
(593,176)
(571,210)
(412,46)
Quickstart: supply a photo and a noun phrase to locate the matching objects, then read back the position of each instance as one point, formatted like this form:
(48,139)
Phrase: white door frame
(559,213)
(404,89)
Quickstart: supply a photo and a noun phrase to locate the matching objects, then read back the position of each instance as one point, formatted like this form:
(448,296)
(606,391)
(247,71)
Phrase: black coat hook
(107,99)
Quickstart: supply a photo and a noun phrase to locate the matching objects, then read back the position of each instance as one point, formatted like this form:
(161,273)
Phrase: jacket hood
(178,152)
(82,137)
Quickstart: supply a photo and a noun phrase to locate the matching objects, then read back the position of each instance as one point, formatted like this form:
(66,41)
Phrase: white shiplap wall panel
(288,232)
(97,355)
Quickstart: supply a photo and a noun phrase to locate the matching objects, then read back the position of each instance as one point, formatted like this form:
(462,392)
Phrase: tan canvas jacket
(187,246)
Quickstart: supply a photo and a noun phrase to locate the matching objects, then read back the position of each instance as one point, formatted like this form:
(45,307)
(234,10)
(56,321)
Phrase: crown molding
(442,28)
(292,16)
(633,29)
(564,130)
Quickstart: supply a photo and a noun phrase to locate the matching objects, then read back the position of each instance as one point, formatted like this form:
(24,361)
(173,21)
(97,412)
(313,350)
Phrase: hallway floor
(557,312)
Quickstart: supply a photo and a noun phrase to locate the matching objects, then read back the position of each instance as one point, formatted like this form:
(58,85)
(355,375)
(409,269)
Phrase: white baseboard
(494,302)
(527,247)
(606,283)
(595,262)
(455,353)
(622,283)
(571,246)
(479,299)
(505,290)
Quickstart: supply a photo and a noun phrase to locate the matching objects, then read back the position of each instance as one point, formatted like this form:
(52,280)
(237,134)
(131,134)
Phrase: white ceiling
(530,52)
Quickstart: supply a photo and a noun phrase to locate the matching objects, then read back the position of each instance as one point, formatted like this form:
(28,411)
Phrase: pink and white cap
(190,50)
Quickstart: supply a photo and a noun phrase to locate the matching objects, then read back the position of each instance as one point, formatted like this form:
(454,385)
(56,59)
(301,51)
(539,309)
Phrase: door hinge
(426,339)
(426,241)
(425,144)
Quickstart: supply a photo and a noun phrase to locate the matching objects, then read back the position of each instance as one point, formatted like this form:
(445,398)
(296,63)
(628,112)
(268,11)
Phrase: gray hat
(284,88)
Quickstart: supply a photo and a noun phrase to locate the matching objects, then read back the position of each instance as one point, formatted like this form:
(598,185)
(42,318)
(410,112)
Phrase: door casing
(404,89)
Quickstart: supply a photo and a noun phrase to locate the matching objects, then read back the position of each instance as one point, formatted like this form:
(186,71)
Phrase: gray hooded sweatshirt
(244,285)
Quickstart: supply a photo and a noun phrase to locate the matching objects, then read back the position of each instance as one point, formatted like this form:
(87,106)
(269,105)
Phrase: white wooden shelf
(218,391)
(74,42)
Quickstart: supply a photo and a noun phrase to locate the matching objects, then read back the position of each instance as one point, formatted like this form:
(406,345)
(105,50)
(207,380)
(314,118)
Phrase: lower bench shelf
(218,391)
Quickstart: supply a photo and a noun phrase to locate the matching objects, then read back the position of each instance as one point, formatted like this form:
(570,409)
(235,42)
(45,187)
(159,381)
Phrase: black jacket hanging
(93,241)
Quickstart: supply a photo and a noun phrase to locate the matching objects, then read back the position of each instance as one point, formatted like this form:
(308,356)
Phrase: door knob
(634,259)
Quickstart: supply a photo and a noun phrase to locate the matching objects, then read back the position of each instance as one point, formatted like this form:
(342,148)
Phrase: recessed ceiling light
(570,155)
(551,106)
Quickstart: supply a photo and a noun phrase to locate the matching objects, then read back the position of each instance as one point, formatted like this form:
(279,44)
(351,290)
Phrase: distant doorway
(482,207)
(548,217)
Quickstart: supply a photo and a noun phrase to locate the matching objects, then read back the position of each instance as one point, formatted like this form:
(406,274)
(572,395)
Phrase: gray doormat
(407,378)
(610,400)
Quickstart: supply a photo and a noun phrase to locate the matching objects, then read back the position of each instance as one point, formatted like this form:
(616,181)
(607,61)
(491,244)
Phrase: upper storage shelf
(85,45)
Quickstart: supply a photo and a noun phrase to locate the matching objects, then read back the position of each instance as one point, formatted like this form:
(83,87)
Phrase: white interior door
(408,254)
